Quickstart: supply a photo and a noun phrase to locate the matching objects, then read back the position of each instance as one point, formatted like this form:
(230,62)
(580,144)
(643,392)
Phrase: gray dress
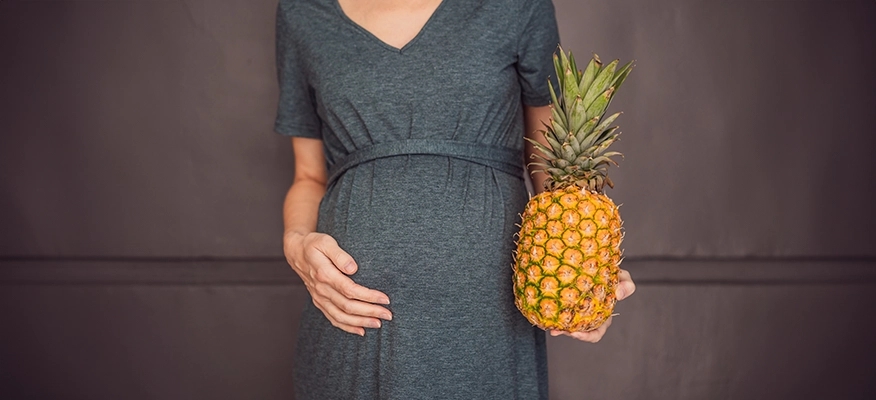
(424,145)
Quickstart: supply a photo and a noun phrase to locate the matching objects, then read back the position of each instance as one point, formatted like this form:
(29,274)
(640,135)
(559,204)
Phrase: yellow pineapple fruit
(568,249)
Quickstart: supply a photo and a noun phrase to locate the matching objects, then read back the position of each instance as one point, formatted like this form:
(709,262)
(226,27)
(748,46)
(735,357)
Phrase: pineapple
(568,249)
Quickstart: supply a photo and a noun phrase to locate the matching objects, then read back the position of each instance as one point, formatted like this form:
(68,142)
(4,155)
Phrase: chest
(467,49)
(394,22)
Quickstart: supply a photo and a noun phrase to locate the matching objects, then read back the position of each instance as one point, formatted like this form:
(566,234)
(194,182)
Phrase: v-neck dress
(424,144)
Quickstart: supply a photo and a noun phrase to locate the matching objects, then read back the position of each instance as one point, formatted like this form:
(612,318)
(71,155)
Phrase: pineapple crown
(577,135)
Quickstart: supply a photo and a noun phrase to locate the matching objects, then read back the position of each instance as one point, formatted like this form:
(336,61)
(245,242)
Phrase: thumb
(625,289)
(338,257)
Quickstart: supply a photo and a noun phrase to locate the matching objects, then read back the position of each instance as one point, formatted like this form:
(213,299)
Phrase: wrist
(290,233)
(291,237)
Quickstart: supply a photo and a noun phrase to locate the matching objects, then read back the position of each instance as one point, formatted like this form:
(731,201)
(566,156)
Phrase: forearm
(533,117)
(301,206)
(322,265)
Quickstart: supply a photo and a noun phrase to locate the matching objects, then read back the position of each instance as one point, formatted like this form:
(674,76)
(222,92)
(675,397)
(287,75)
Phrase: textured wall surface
(140,193)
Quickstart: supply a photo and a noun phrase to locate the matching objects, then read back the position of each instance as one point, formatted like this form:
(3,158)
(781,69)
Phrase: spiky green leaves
(577,135)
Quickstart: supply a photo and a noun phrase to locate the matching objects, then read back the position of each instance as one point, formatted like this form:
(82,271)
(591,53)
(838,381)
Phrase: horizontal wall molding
(115,271)
(760,271)
(275,271)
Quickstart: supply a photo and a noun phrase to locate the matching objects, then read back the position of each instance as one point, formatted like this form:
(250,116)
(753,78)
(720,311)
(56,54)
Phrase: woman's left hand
(625,288)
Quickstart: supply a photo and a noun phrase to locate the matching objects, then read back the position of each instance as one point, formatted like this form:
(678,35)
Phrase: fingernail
(374,324)
(384,300)
(387,317)
(349,267)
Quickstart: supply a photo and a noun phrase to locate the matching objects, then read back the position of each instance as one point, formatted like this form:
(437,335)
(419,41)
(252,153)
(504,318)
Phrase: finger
(343,261)
(626,287)
(590,337)
(326,273)
(360,308)
(350,320)
(353,290)
(344,327)
(593,336)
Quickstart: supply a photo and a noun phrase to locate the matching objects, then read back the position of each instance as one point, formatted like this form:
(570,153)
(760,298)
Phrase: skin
(395,22)
(324,267)
(532,119)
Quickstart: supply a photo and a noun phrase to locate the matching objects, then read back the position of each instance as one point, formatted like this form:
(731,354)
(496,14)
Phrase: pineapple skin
(567,259)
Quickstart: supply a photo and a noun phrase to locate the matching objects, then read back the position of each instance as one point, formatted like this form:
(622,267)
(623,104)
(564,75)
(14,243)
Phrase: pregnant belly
(420,227)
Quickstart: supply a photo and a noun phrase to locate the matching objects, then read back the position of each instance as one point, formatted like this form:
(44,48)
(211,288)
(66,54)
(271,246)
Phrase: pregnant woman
(407,120)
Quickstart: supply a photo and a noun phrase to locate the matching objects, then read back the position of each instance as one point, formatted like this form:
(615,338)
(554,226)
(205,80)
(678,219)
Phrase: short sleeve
(538,41)
(296,110)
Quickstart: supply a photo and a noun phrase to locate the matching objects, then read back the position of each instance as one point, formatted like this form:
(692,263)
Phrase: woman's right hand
(324,266)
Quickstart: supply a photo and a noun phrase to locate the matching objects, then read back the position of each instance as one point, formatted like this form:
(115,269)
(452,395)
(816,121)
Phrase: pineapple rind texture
(568,251)
(568,258)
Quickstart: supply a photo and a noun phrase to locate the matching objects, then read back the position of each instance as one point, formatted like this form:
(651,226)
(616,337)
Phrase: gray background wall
(140,193)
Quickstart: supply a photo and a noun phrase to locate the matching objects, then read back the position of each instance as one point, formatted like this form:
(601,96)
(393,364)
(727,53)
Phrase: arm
(533,117)
(316,257)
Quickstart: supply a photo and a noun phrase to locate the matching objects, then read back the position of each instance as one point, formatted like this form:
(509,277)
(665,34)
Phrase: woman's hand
(322,265)
(625,288)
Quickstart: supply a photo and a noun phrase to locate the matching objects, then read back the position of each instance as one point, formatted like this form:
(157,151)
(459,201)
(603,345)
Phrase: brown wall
(140,192)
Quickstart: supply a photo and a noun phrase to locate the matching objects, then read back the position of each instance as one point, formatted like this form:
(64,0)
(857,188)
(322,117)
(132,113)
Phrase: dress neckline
(380,41)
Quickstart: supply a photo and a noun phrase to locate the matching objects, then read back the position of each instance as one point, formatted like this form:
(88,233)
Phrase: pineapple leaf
(600,148)
(621,75)
(589,74)
(574,67)
(567,152)
(570,92)
(583,157)
(607,121)
(542,148)
(558,115)
(606,134)
(575,143)
(603,160)
(560,163)
(594,148)
(583,163)
(585,130)
(597,108)
(596,137)
(555,145)
(589,151)
(556,171)
(578,134)
(577,115)
(554,103)
(559,130)
(564,59)
(601,82)
(545,164)
(548,132)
